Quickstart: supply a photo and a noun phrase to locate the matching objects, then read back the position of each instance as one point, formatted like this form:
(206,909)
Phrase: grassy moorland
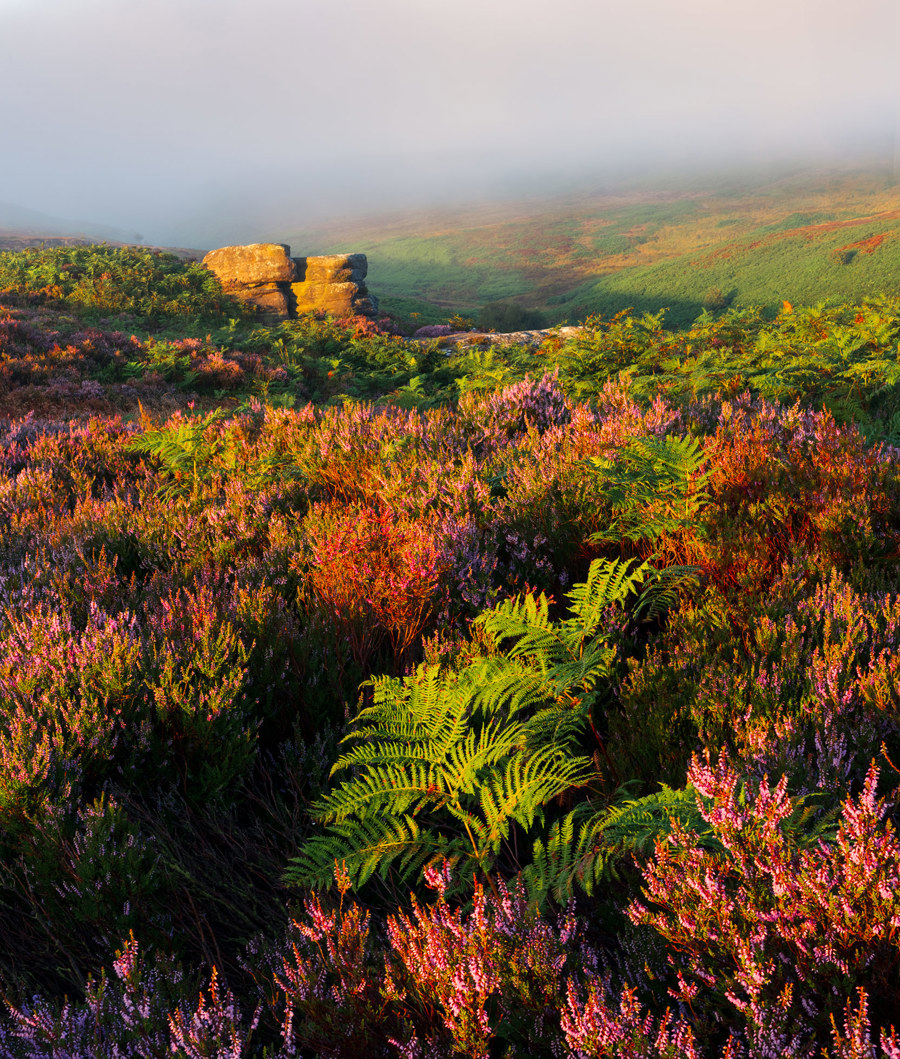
(802,238)
(358,699)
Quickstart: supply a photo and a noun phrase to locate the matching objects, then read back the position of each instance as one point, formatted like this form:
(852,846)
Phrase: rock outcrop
(335,283)
(265,275)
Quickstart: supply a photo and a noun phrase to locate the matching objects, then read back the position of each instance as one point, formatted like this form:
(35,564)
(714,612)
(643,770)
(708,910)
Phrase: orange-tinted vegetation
(362,697)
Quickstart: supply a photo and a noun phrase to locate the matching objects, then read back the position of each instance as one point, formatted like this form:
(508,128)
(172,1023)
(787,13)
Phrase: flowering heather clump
(449,981)
(326,984)
(139,1012)
(605,1027)
(217,372)
(196,676)
(536,405)
(802,684)
(779,933)
(785,479)
(620,417)
(215,1028)
(498,966)
(68,694)
(855,1042)
(43,369)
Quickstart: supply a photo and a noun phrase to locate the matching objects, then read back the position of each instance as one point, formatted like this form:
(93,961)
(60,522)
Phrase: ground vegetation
(358,699)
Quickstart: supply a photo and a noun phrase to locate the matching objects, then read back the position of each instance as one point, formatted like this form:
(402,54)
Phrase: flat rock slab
(468,339)
(252,265)
(335,298)
(270,297)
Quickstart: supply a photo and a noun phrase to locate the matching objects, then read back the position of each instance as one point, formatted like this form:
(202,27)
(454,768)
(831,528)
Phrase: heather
(357,699)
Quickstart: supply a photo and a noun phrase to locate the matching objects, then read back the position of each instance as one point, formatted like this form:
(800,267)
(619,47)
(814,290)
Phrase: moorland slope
(804,237)
(358,699)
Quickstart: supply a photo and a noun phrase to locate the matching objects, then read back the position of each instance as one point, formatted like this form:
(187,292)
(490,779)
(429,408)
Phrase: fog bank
(183,120)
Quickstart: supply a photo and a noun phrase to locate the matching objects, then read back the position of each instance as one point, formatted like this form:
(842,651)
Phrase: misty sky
(188,119)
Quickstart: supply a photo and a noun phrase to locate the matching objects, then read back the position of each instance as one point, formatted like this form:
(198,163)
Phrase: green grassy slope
(806,237)
(804,265)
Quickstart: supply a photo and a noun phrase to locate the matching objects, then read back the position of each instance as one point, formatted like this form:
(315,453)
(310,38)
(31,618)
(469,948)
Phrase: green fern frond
(466,755)
(663,588)
(546,642)
(421,717)
(507,685)
(537,641)
(559,725)
(556,864)
(561,657)
(582,674)
(609,581)
(656,486)
(808,825)
(465,764)
(627,828)
(402,786)
(524,786)
(633,826)
(369,845)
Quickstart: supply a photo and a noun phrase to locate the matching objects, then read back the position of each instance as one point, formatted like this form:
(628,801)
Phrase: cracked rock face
(266,275)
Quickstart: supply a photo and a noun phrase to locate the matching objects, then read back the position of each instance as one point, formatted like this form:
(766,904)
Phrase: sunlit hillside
(803,237)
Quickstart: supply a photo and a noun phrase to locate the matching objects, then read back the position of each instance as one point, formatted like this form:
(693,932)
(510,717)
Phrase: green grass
(444,273)
(798,270)
(761,240)
(412,310)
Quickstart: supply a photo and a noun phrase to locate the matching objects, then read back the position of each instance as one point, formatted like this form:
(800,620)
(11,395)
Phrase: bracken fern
(447,764)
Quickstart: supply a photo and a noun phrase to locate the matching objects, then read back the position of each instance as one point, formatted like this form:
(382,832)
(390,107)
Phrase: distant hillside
(804,237)
(25,239)
(27,224)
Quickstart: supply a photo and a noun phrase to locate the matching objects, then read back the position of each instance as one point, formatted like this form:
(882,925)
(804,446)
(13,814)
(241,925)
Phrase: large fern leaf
(525,785)
(552,668)
(368,845)
(450,763)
